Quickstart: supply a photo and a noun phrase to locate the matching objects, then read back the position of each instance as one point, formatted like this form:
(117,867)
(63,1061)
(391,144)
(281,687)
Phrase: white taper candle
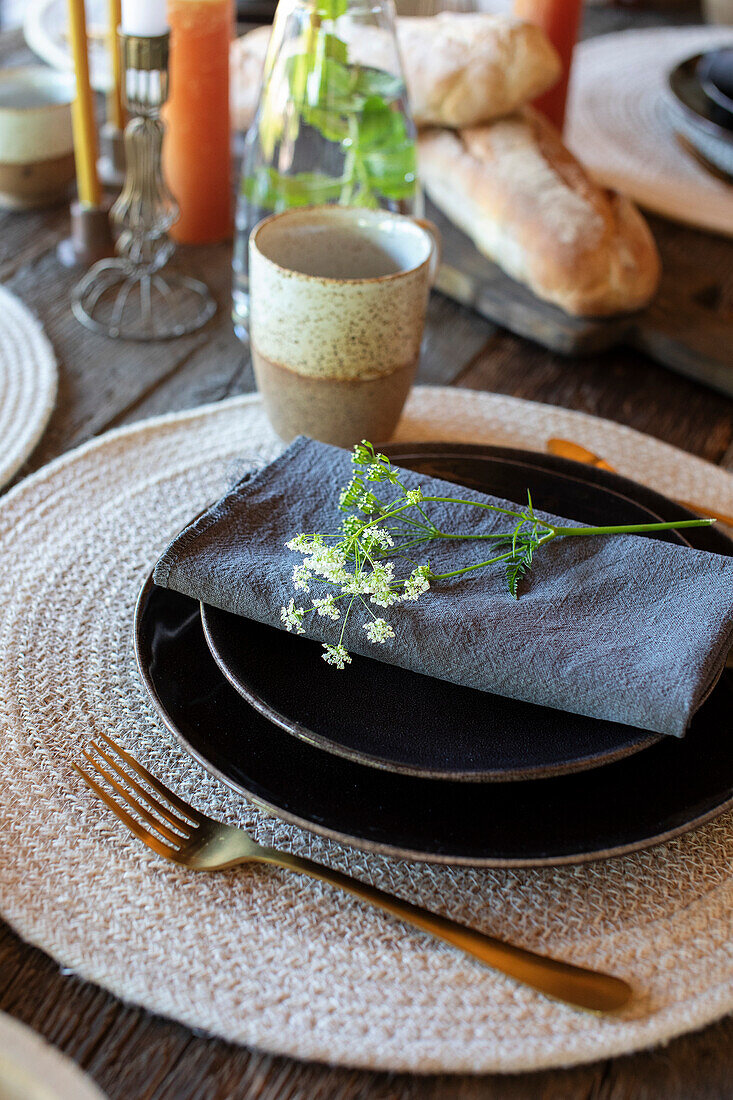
(144,18)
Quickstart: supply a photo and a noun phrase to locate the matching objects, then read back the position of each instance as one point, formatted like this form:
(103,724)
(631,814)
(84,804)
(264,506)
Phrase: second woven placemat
(261,956)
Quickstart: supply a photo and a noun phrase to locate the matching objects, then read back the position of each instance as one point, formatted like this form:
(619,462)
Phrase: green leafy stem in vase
(358,565)
(354,111)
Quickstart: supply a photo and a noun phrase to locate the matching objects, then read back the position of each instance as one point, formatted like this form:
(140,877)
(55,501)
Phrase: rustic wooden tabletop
(130,1053)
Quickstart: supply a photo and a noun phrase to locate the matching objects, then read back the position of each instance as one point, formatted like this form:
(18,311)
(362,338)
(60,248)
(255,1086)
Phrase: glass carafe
(333,123)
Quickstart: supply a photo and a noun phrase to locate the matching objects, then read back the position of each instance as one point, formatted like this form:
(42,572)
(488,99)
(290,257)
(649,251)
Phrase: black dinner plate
(700,111)
(632,803)
(388,717)
(715,73)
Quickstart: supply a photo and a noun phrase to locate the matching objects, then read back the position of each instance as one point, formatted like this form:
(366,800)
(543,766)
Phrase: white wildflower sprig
(417,583)
(336,655)
(378,630)
(360,564)
(292,617)
(327,608)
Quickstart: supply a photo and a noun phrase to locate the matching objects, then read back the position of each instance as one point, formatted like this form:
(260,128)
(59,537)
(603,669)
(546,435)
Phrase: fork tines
(146,806)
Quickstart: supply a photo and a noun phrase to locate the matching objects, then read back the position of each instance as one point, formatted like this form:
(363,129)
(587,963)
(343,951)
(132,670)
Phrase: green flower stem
(346,619)
(629,529)
(469,568)
(478,504)
(558,532)
(554,532)
(446,535)
(617,530)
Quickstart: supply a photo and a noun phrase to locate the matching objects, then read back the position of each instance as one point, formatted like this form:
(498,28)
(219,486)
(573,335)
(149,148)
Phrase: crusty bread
(460,69)
(463,69)
(527,204)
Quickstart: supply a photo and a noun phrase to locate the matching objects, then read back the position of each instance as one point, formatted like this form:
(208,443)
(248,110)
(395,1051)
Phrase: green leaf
(514,571)
(298,68)
(333,47)
(392,171)
(334,125)
(273,190)
(519,565)
(379,125)
(332,9)
(336,84)
(376,82)
(396,188)
(321,76)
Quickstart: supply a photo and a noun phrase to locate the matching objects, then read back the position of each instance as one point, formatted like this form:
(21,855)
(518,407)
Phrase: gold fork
(180,833)
(566,448)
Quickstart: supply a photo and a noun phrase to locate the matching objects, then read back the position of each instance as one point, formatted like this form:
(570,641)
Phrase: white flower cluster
(292,617)
(327,608)
(379,631)
(352,525)
(377,536)
(320,560)
(301,576)
(336,655)
(353,562)
(417,583)
(376,583)
(356,495)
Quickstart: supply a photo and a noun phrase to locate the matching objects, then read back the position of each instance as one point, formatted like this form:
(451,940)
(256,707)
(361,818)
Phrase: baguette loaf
(527,204)
(460,69)
(463,69)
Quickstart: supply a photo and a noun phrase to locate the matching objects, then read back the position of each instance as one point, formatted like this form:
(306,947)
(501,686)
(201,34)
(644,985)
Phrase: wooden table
(130,1053)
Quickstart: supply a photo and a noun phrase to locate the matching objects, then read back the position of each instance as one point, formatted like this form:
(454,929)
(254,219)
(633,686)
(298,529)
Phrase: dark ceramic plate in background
(698,119)
(633,803)
(715,73)
(378,714)
(690,97)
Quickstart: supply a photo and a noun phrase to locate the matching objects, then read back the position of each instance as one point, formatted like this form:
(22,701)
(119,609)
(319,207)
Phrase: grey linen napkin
(623,628)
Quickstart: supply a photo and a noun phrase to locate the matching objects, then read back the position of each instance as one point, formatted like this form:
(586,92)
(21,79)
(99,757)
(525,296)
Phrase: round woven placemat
(619,123)
(261,956)
(28,381)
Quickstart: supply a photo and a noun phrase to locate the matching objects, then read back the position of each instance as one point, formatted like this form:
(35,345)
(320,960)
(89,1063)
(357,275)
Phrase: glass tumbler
(333,124)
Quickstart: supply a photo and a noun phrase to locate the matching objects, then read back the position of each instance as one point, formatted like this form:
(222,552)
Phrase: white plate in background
(31,1069)
(45,27)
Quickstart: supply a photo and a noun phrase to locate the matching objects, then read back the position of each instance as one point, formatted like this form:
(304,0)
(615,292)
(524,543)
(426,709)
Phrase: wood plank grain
(222,367)
(133,1054)
(620,385)
(102,381)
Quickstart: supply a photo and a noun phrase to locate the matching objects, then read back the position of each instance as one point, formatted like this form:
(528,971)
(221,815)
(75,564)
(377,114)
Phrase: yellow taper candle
(85,132)
(115,111)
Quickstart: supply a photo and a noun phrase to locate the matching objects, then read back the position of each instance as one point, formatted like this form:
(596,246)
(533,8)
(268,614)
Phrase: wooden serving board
(688,327)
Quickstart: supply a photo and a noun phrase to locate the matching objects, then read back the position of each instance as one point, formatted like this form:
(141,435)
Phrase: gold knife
(565,448)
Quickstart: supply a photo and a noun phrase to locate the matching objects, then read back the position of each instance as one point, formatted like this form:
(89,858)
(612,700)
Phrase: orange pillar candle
(560,20)
(197,145)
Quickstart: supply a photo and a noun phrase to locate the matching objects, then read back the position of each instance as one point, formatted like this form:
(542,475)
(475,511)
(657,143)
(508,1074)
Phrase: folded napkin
(623,628)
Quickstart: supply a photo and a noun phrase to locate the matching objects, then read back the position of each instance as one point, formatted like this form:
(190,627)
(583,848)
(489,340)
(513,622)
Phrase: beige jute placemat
(28,382)
(260,956)
(621,122)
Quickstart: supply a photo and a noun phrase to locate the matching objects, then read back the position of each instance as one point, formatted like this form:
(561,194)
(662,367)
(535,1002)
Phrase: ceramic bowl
(36,144)
(715,72)
(690,112)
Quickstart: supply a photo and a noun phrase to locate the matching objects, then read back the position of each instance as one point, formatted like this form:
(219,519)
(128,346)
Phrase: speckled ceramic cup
(337,309)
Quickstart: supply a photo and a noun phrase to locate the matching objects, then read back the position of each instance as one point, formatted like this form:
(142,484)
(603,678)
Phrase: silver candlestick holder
(133,296)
